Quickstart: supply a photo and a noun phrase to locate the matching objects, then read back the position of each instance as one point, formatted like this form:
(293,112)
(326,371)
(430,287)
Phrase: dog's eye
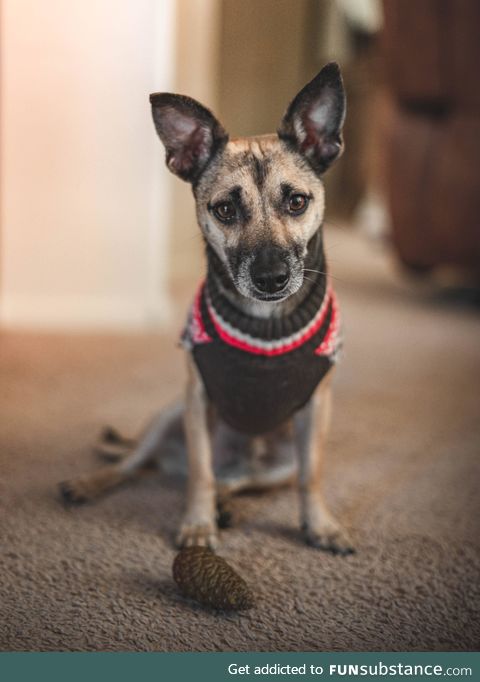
(297,203)
(225,211)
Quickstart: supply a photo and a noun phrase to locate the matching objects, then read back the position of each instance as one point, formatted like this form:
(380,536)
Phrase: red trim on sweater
(329,343)
(198,332)
(328,346)
(285,348)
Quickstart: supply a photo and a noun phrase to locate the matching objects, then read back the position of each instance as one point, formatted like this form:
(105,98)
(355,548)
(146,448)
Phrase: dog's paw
(197,535)
(330,538)
(73,493)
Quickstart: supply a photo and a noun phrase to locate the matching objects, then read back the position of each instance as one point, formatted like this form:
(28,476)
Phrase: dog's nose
(269,272)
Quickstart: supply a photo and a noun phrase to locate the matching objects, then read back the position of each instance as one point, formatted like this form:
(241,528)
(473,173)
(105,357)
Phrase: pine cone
(202,575)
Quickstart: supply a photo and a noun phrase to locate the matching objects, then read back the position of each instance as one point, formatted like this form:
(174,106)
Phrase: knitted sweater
(258,372)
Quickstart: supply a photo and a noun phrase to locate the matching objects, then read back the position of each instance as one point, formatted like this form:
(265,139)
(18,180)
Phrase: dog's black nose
(269,271)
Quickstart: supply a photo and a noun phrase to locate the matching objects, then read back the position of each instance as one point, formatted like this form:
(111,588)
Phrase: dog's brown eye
(297,203)
(225,211)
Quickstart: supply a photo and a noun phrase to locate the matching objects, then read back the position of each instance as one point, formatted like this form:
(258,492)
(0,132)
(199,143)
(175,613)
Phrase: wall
(196,75)
(265,59)
(86,200)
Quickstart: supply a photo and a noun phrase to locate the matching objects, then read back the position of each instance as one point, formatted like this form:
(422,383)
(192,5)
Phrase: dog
(263,334)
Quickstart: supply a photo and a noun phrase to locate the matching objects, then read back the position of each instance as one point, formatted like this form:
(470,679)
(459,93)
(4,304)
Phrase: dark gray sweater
(258,372)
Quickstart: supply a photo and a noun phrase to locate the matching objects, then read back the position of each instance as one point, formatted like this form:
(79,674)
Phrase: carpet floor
(402,473)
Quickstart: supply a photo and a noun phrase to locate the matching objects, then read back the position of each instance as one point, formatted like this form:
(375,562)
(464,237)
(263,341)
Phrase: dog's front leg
(321,529)
(199,523)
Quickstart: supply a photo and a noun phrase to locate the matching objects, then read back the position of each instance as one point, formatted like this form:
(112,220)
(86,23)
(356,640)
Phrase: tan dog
(263,333)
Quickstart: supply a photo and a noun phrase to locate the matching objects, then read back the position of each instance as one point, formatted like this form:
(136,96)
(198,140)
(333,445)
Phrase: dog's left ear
(313,121)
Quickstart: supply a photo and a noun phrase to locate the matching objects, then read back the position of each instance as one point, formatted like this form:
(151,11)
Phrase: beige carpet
(402,473)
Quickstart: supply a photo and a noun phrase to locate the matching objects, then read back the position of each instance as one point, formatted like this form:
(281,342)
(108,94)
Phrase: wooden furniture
(432,56)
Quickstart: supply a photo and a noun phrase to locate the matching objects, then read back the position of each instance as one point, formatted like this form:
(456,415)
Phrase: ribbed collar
(312,295)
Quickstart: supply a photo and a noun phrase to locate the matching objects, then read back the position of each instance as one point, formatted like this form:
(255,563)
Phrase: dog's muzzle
(270,272)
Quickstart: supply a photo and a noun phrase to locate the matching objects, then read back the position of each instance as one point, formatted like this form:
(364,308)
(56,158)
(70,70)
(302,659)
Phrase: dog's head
(259,199)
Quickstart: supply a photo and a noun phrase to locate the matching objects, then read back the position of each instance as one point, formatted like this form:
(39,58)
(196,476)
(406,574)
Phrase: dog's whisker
(319,272)
(333,223)
(196,235)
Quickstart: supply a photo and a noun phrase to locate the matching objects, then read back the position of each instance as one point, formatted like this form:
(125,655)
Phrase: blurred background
(95,234)
(99,258)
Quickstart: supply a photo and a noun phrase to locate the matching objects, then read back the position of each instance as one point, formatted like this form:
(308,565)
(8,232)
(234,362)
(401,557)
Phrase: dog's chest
(258,382)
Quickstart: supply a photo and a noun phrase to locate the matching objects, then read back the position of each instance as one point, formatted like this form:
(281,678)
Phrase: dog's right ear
(190,133)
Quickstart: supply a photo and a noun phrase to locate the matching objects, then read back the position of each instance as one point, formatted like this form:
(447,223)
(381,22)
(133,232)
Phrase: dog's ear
(190,133)
(313,121)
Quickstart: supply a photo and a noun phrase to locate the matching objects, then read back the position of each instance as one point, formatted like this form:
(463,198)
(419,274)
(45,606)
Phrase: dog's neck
(222,290)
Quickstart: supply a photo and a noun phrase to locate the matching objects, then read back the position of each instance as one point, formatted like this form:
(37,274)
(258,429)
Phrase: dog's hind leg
(311,424)
(112,446)
(90,486)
